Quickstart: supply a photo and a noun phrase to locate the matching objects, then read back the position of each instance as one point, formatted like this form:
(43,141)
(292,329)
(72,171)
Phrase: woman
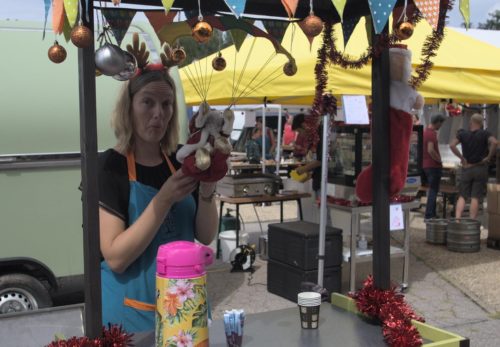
(145,201)
(270,141)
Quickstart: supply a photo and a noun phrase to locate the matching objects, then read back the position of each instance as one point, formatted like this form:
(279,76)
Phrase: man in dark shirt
(432,164)
(478,148)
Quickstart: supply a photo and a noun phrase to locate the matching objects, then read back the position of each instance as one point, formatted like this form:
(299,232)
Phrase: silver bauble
(130,68)
(109,59)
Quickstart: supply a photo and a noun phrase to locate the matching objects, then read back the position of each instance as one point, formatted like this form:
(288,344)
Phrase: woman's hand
(176,188)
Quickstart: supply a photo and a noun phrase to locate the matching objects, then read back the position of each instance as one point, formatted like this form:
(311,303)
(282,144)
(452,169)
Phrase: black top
(474,144)
(114,188)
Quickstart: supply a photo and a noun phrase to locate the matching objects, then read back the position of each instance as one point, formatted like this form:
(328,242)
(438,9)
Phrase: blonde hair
(477,118)
(122,122)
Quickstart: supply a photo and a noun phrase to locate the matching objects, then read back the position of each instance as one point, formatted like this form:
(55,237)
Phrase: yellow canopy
(465,69)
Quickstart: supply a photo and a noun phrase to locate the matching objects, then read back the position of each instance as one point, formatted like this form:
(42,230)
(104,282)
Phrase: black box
(297,244)
(284,280)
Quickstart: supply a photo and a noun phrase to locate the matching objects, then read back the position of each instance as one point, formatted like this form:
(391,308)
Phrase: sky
(34,10)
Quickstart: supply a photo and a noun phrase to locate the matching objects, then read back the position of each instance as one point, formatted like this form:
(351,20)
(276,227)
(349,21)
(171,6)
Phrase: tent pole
(277,157)
(90,209)
(323,207)
(263,133)
(381,165)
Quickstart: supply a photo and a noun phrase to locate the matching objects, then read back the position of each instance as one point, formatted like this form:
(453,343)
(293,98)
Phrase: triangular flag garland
(57,16)
(236,6)
(381,10)
(66,29)
(348,26)
(276,28)
(465,11)
(159,20)
(430,11)
(71,9)
(369,27)
(239,37)
(119,21)
(290,7)
(339,6)
(167,5)
(47,4)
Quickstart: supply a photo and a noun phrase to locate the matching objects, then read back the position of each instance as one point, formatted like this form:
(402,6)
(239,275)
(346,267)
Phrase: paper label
(397,221)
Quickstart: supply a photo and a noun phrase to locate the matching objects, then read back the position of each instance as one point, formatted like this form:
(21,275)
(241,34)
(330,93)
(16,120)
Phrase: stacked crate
(493,199)
(293,258)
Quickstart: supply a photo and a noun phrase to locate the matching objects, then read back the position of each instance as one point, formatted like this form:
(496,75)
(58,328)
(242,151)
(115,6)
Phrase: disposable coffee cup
(309,304)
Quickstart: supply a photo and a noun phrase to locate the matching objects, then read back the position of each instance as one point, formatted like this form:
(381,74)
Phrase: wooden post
(381,166)
(88,148)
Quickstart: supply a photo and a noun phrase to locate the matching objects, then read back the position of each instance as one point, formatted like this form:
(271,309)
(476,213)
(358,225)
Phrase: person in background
(289,135)
(145,199)
(270,138)
(432,163)
(478,148)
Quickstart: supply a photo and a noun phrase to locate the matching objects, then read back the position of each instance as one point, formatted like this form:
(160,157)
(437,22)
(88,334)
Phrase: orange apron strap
(169,163)
(132,176)
(139,305)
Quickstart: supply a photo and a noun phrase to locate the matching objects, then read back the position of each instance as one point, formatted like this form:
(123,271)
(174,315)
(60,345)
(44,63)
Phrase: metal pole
(323,207)
(263,139)
(277,157)
(90,209)
(381,166)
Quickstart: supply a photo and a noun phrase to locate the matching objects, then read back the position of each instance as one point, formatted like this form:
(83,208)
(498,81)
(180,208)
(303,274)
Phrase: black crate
(284,280)
(297,244)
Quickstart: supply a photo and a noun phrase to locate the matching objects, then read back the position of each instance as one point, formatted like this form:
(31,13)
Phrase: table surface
(263,198)
(282,329)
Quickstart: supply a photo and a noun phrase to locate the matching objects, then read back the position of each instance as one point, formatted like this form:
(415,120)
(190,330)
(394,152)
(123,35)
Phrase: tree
(492,23)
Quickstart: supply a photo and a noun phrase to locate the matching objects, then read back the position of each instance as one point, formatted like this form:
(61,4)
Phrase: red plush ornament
(205,154)
(403,99)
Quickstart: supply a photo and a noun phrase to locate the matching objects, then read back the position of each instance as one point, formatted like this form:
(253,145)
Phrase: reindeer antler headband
(169,57)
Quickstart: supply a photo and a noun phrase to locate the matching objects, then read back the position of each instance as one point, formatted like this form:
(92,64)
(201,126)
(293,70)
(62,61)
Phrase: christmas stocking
(401,125)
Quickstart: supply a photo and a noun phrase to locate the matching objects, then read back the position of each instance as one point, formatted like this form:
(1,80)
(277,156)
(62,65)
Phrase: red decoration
(390,308)
(113,336)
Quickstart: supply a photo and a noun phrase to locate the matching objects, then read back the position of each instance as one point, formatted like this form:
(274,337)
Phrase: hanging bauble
(97,73)
(130,68)
(109,59)
(81,36)
(290,68)
(219,63)
(404,30)
(178,55)
(313,25)
(57,53)
(202,31)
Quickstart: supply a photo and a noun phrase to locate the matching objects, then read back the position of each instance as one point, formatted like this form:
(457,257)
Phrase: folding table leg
(217,253)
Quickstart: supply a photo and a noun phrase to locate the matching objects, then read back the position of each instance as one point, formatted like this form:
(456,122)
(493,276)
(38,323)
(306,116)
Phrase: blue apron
(129,298)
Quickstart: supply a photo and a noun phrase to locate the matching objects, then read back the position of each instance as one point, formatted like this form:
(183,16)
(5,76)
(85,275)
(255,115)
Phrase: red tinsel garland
(113,336)
(394,313)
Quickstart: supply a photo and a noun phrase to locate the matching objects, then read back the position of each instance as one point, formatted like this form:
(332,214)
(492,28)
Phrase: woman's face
(152,110)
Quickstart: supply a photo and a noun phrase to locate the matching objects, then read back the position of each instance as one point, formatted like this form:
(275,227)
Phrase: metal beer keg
(436,231)
(463,235)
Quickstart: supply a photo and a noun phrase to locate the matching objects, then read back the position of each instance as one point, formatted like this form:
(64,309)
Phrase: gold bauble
(178,55)
(81,36)
(290,68)
(202,31)
(57,53)
(219,63)
(404,30)
(313,25)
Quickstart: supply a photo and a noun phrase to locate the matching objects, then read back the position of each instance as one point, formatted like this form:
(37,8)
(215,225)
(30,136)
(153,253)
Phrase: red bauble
(202,31)
(313,25)
(57,53)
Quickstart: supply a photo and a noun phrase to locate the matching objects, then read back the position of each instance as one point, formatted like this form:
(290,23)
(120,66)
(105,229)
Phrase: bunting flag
(167,4)
(57,16)
(119,21)
(465,11)
(381,10)
(236,6)
(369,26)
(290,7)
(348,26)
(66,29)
(339,6)
(430,11)
(238,37)
(276,28)
(47,9)
(71,9)
(159,21)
